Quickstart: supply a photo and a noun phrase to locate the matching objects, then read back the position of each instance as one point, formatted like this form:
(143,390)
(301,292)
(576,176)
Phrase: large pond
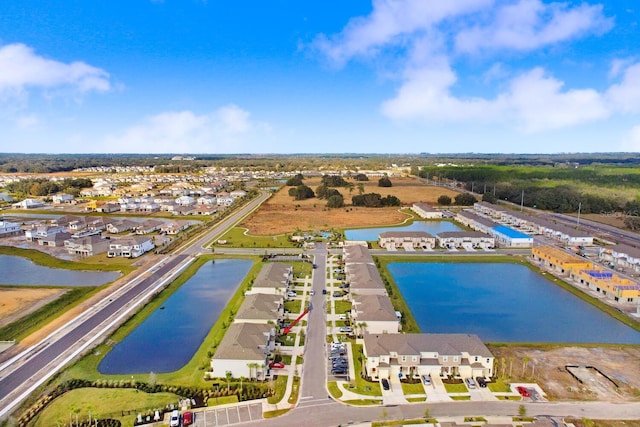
(167,339)
(15,270)
(431,227)
(502,303)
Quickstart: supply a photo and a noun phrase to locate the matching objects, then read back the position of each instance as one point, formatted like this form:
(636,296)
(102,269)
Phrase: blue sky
(389,76)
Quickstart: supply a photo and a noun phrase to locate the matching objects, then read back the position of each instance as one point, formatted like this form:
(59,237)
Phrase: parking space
(229,415)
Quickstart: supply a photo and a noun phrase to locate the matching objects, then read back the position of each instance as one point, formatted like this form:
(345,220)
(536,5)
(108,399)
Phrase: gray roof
(425,207)
(490,206)
(479,219)
(272,275)
(414,344)
(364,276)
(259,307)
(401,234)
(357,254)
(625,249)
(244,341)
(561,228)
(374,307)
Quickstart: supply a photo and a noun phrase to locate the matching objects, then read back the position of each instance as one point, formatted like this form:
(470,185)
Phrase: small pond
(15,270)
(502,303)
(431,227)
(167,339)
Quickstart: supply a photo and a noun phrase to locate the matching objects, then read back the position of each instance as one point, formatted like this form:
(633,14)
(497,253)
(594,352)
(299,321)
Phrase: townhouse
(621,256)
(426,211)
(413,355)
(559,261)
(374,314)
(274,278)
(467,240)
(408,240)
(261,308)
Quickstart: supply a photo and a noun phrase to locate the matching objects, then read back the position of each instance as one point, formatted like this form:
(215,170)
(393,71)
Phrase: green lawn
(499,386)
(416,399)
(293,306)
(281,387)
(363,402)
(342,307)
(416,388)
(334,390)
(238,237)
(358,384)
(95,263)
(295,389)
(102,403)
(456,388)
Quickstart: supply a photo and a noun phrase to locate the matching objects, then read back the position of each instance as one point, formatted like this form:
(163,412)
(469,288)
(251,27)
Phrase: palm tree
(360,188)
(525,360)
(510,365)
(228,375)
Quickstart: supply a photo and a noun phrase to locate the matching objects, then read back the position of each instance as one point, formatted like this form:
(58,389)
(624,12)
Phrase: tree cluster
(334,181)
(465,199)
(384,182)
(375,200)
(444,200)
(295,180)
(361,177)
(301,192)
(44,187)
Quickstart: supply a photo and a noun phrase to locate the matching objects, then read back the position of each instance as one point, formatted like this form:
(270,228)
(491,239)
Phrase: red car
(187,418)
(523,391)
(276,365)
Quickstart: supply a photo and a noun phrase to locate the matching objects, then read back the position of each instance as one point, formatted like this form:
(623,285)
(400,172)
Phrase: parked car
(292,294)
(524,392)
(337,294)
(470,382)
(315,266)
(276,365)
(187,418)
(426,379)
(342,316)
(481,381)
(324,292)
(312,292)
(346,329)
(338,371)
(385,384)
(344,286)
(174,419)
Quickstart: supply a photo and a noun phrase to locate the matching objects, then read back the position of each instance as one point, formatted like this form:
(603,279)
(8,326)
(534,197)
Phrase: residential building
(426,211)
(149,226)
(55,240)
(39,231)
(121,226)
(260,308)
(622,257)
(559,261)
(243,351)
(408,240)
(274,278)
(608,284)
(8,228)
(174,227)
(29,204)
(364,279)
(62,198)
(509,238)
(374,314)
(357,254)
(87,246)
(130,247)
(413,355)
(467,240)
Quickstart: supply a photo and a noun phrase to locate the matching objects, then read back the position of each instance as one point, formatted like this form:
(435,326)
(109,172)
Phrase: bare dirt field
(547,367)
(282,214)
(15,303)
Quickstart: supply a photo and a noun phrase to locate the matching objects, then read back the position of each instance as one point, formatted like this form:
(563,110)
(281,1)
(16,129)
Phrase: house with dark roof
(374,314)
(260,308)
(274,278)
(243,351)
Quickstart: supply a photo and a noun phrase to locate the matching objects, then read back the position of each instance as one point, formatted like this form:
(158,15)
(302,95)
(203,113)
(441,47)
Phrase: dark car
(338,371)
(324,292)
(481,382)
(315,266)
(385,384)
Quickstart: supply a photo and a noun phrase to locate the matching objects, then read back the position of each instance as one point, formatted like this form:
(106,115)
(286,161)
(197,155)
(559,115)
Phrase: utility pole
(522,201)
(579,209)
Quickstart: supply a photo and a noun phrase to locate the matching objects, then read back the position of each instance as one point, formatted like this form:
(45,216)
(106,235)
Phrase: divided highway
(24,373)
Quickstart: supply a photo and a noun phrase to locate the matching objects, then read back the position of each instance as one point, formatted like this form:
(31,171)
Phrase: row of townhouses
(389,353)
(410,240)
(613,286)
(250,339)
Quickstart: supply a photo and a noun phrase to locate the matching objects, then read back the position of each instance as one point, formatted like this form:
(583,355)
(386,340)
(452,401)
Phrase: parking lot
(229,415)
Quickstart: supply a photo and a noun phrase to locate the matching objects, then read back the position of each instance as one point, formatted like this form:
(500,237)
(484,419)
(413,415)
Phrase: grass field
(101,403)
(412,388)
(282,214)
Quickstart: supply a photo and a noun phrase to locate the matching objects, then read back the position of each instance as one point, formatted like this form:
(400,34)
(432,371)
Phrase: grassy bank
(97,263)
(192,374)
(34,321)
(239,237)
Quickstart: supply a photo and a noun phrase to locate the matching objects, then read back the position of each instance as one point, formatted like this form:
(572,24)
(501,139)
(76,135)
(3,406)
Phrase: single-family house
(55,240)
(121,226)
(149,226)
(62,198)
(174,227)
(29,204)
(130,247)
(8,228)
(87,246)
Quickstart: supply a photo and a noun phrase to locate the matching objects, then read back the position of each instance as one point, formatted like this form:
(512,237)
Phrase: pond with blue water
(502,303)
(431,227)
(15,270)
(167,339)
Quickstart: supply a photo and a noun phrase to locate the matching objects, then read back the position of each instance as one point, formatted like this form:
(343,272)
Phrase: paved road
(314,376)
(17,378)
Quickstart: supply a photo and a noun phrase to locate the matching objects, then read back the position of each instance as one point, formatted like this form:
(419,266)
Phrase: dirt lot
(546,366)
(15,303)
(282,214)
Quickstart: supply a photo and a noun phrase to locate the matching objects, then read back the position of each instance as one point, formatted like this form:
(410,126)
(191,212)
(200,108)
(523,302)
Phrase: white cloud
(389,23)
(187,132)
(631,141)
(21,68)
(531,24)
(27,121)
(625,96)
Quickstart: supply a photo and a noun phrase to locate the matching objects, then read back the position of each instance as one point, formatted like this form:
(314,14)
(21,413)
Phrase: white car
(174,420)
(342,316)
(292,294)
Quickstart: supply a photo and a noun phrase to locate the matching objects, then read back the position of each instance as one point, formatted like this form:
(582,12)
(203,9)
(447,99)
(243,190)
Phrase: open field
(18,302)
(282,214)
(545,365)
